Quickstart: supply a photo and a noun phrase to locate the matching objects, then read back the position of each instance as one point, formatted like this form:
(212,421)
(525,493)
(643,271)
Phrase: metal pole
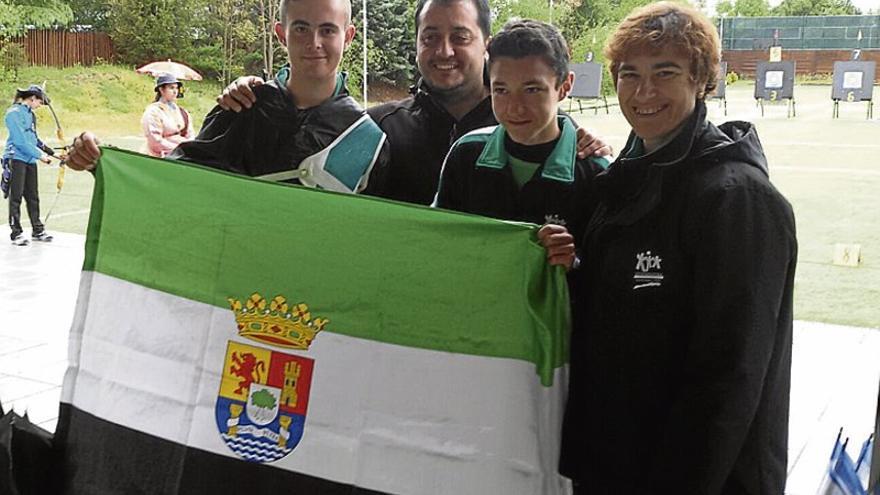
(364,21)
(874,477)
(551,11)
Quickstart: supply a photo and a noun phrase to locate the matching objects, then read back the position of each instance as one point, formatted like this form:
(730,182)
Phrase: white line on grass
(60,215)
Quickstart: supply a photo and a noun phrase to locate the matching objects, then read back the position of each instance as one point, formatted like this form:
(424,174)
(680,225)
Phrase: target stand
(720,92)
(853,82)
(587,86)
(774,81)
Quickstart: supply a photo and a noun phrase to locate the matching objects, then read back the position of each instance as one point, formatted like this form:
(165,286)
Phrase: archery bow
(59,133)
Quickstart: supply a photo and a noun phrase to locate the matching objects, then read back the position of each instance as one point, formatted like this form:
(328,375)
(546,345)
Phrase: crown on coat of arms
(276,322)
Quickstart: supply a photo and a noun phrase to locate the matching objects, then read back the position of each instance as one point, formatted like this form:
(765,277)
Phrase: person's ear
(565,87)
(350,31)
(281,34)
(701,90)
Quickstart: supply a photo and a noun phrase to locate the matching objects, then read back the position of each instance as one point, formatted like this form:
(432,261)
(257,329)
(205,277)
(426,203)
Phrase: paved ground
(835,369)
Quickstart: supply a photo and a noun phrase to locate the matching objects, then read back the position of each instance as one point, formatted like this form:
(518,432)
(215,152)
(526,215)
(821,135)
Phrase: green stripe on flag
(377,269)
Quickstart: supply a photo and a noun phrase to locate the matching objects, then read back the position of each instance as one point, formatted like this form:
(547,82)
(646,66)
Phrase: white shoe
(42,237)
(20,240)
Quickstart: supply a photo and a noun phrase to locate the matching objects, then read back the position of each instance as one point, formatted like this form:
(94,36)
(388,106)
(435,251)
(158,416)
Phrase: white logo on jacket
(647,271)
(554,219)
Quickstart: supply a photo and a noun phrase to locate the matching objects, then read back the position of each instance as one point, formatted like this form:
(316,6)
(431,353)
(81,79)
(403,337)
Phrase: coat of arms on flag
(264,393)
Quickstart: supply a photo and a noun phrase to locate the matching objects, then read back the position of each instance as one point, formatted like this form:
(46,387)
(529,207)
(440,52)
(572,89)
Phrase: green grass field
(105,99)
(827,168)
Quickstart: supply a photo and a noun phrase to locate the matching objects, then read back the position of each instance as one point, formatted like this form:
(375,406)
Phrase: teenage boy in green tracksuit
(526,167)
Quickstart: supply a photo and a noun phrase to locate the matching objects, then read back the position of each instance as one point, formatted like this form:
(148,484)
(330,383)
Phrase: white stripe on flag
(381,416)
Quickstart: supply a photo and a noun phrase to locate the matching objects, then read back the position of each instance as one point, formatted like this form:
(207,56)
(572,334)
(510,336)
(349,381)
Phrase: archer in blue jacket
(23,150)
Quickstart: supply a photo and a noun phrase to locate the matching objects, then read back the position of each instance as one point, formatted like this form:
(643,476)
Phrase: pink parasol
(176,69)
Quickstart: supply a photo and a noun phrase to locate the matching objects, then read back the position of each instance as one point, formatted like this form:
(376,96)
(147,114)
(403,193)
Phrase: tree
(17,15)
(504,10)
(816,7)
(588,25)
(390,26)
(269,49)
(353,63)
(235,24)
(146,30)
(743,8)
(12,58)
(90,13)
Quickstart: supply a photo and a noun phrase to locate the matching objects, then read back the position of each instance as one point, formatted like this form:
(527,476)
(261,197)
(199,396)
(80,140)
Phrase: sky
(863,5)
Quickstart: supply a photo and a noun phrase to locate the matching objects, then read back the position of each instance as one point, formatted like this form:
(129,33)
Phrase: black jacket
(477,179)
(274,135)
(681,349)
(420,132)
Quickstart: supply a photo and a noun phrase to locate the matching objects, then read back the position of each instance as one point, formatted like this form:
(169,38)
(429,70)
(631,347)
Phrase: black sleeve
(734,383)
(587,203)
(222,143)
(450,191)
(47,149)
(378,183)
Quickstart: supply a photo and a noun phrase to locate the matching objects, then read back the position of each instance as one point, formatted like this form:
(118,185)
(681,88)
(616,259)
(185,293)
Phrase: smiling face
(525,96)
(451,48)
(169,92)
(315,34)
(657,93)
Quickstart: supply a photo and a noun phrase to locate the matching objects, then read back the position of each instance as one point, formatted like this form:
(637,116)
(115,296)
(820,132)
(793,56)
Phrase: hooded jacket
(420,132)
(274,137)
(681,349)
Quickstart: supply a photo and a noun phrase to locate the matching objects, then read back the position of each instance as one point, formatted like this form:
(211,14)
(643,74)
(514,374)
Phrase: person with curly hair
(681,344)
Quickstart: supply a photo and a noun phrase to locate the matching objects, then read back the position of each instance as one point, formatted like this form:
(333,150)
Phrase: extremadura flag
(239,336)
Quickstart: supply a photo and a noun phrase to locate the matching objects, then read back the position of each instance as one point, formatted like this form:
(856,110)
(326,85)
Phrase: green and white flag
(237,335)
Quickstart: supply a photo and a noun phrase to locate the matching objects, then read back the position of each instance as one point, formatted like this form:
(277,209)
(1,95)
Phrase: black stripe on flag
(100,457)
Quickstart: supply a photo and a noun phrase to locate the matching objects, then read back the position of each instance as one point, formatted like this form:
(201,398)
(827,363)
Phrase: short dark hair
(484,15)
(522,38)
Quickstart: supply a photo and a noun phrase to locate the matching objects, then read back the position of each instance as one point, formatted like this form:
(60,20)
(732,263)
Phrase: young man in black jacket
(305,126)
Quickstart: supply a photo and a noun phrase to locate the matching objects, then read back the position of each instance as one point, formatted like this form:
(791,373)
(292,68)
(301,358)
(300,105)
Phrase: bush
(353,64)
(731,78)
(12,58)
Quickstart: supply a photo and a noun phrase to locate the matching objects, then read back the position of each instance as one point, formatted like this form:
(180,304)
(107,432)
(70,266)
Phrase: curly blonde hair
(664,26)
